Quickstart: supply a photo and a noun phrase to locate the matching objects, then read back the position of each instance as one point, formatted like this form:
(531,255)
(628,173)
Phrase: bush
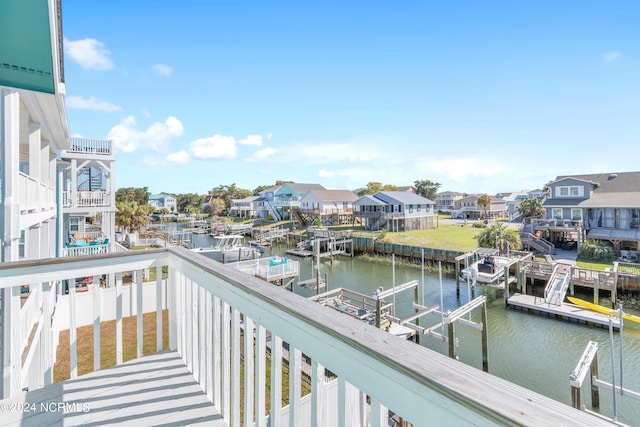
(593,250)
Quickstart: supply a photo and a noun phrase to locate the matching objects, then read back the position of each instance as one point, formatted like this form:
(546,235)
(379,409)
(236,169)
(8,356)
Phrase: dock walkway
(566,311)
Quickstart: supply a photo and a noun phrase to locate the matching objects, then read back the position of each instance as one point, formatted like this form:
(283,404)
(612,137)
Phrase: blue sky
(480,96)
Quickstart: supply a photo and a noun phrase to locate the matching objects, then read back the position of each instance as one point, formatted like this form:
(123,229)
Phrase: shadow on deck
(152,390)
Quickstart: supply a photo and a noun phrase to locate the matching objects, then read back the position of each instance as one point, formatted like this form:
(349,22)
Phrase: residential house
(87,176)
(243,208)
(394,211)
(512,202)
(445,200)
(330,207)
(409,188)
(164,201)
(278,202)
(468,208)
(603,206)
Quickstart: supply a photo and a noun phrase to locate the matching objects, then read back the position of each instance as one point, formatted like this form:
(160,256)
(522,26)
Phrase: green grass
(446,236)
(594,265)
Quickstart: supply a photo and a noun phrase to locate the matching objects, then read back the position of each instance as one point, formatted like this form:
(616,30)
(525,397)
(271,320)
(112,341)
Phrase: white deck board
(153,390)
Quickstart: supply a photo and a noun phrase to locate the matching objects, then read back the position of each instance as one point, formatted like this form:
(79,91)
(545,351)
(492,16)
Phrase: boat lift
(588,363)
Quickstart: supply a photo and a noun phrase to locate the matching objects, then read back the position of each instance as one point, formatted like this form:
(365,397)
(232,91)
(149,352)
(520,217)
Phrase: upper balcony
(35,196)
(84,148)
(86,199)
(355,374)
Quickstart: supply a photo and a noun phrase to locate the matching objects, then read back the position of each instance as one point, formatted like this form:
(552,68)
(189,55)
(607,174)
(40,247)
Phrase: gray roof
(405,197)
(620,182)
(368,200)
(335,195)
(620,190)
(303,188)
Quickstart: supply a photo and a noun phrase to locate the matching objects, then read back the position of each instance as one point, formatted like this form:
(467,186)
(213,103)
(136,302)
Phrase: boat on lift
(487,271)
(230,248)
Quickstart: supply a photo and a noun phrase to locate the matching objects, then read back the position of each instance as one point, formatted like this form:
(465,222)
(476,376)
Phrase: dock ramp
(558,283)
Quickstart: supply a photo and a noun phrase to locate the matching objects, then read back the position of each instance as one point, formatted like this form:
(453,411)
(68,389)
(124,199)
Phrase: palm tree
(484,201)
(131,217)
(499,236)
(531,207)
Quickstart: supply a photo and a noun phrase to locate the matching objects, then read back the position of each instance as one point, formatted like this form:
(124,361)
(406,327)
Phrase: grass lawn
(84,340)
(446,236)
(594,265)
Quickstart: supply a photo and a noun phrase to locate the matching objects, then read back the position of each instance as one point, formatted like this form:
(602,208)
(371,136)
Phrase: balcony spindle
(234,390)
(119,318)
(202,332)
(97,305)
(226,361)
(159,307)
(261,376)
(216,348)
(139,313)
(73,351)
(249,371)
(295,385)
(276,381)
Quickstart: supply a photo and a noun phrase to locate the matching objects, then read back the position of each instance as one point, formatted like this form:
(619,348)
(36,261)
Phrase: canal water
(535,352)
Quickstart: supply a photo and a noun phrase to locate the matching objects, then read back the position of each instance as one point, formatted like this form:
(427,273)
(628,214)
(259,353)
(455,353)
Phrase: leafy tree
(189,202)
(427,188)
(139,196)
(484,200)
(258,189)
(375,187)
(215,206)
(229,192)
(499,236)
(531,207)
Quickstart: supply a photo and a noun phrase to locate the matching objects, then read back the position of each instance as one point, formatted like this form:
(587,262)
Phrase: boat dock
(564,311)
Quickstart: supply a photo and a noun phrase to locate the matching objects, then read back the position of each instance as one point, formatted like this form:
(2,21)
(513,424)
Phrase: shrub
(593,250)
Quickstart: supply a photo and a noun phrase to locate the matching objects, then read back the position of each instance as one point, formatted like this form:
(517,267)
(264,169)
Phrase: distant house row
(310,203)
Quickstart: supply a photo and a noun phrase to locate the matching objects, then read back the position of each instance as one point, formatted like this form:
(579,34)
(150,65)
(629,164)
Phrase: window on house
(576,214)
(410,208)
(419,206)
(573,191)
(556,213)
(74,224)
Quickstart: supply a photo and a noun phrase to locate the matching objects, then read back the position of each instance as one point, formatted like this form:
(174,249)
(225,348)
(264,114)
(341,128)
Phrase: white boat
(230,248)
(488,270)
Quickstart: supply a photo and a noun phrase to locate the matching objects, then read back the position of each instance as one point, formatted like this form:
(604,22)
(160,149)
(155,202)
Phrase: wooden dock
(566,311)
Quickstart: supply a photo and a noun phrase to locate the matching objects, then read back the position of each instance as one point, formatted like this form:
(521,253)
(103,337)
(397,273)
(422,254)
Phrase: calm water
(533,351)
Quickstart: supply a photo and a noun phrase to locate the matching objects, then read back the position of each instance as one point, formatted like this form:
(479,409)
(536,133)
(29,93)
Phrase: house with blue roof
(394,211)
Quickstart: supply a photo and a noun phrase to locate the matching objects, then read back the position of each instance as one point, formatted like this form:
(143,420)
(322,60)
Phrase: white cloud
(80,103)
(261,155)
(611,56)
(323,173)
(252,140)
(89,53)
(162,69)
(269,136)
(127,138)
(214,147)
(179,158)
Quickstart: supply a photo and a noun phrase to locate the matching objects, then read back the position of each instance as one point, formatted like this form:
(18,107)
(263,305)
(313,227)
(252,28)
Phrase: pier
(565,311)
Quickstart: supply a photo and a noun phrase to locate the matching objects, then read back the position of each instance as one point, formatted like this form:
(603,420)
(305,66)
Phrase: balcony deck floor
(152,390)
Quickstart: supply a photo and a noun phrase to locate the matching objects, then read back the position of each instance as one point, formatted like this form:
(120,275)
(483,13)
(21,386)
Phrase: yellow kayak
(604,310)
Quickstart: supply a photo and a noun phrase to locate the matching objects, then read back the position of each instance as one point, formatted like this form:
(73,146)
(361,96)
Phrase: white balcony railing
(90,146)
(210,304)
(34,196)
(83,199)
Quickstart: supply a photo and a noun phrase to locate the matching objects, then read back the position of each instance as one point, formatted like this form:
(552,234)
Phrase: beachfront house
(164,201)
(243,208)
(394,211)
(445,200)
(602,206)
(330,207)
(279,201)
(469,208)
